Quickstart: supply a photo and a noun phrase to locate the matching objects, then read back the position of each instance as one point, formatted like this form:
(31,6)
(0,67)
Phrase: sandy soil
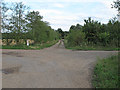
(54,67)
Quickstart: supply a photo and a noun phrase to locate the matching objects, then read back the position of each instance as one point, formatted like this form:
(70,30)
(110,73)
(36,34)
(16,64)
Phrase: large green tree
(61,33)
(95,33)
(17,20)
(35,26)
(39,30)
(91,29)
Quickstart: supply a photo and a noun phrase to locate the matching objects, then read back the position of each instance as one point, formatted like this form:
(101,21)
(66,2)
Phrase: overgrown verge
(34,47)
(91,47)
(94,35)
(106,73)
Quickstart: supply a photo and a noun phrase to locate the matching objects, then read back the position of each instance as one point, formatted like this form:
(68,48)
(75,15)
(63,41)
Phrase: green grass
(33,47)
(93,48)
(44,45)
(15,47)
(106,73)
(107,48)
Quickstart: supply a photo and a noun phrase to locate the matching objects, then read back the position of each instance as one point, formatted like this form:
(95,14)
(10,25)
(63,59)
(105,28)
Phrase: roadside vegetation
(94,35)
(32,47)
(19,23)
(106,73)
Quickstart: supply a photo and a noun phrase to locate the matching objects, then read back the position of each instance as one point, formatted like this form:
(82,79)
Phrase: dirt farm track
(54,67)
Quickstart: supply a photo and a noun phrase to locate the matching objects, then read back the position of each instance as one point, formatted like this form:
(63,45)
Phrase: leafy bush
(93,33)
(76,38)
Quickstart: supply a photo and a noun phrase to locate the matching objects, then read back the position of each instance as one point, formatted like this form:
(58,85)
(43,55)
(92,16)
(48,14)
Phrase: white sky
(64,13)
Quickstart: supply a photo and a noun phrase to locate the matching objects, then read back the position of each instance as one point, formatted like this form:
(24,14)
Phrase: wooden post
(27,42)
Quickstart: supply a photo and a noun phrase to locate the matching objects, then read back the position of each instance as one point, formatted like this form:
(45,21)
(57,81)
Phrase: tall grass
(106,73)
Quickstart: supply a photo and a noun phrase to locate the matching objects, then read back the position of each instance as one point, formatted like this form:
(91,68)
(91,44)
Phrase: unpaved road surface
(54,67)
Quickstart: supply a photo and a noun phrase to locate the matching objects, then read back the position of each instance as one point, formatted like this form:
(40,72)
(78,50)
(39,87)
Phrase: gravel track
(54,67)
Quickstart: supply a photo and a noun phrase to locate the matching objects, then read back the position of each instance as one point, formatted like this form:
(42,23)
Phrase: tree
(76,38)
(4,16)
(91,29)
(113,29)
(5,21)
(77,27)
(72,28)
(34,25)
(61,33)
(39,30)
(116,5)
(17,20)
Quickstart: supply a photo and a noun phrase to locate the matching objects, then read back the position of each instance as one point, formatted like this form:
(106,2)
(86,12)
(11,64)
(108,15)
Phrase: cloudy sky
(64,13)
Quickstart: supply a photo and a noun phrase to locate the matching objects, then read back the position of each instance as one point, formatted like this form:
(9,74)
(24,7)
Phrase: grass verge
(33,47)
(44,45)
(93,48)
(15,47)
(85,48)
(106,73)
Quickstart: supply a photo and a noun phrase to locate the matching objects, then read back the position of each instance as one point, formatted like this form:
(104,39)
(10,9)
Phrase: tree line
(18,22)
(93,33)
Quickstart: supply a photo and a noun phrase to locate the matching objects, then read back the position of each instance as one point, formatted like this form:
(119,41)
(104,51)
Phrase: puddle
(11,70)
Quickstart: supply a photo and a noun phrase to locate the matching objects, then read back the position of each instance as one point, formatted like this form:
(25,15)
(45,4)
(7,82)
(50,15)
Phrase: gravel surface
(54,67)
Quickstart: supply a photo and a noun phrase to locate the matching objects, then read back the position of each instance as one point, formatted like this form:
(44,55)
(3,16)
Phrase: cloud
(12,1)
(59,5)
(64,13)
(64,20)
(49,11)
(59,0)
